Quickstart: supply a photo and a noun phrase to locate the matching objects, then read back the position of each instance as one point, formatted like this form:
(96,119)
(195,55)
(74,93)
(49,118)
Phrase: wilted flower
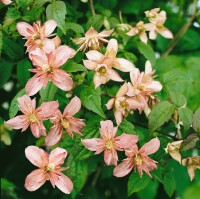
(49,169)
(103,64)
(109,143)
(173,149)
(6,2)
(65,121)
(192,163)
(47,69)
(92,40)
(32,116)
(122,104)
(37,35)
(138,159)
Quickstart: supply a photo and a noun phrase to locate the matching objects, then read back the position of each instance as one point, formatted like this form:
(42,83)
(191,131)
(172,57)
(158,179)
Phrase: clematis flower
(103,64)
(109,143)
(37,35)
(138,159)
(192,163)
(92,40)
(49,169)
(140,30)
(32,116)
(153,15)
(65,121)
(47,69)
(6,2)
(143,85)
(173,149)
(122,104)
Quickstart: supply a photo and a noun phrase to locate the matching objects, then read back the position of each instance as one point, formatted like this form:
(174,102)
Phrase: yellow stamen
(109,144)
(137,159)
(32,117)
(64,123)
(50,167)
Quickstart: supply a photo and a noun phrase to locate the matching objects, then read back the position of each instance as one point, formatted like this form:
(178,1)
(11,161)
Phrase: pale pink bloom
(92,40)
(103,64)
(122,104)
(192,164)
(47,69)
(109,143)
(140,30)
(32,116)
(154,16)
(143,85)
(6,2)
(65,121)
(138,159)
(49,169)
(37,35)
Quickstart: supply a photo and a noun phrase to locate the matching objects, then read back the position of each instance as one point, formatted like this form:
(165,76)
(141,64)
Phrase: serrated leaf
(75,27)
(77,171)
(189,142)
(126,127)
(147,51)
(169,184)
(57,11)
(196,120)
(160,114)
(91,99)
(177,98)
(137,183)
(185,115)
(95,21)
(14,104)
(23,73)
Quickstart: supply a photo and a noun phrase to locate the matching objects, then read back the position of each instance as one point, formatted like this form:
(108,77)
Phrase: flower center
(102,70)
(36,36)
(138,159)
(124,104)
(48,69)
(32,117)
(50,167)
(109,144)
(64,123)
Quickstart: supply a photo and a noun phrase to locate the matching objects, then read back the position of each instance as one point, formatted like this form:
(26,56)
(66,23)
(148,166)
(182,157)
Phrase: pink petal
(54,135)
(123,168)
(18,122)
(57,156)
(166,33)
(91,32)
(94,55)
(118,117)
(26,105)
(38,129)
(155,86)
(25,29)
(112,44)
(36,156)
(6,2)
(113,75)
(122,90)
(124,65)
(62,54)
(48,45)
(64,183)
(35,180)
(143,37)
(134,75)
(49,27)
(62,80)
(38,57)
(148,68)
(152,35)
(110,103)
(93,144)
(110,157)
(151,147)
(106,126)
(98,79)
(105,33)
(89,64)
(133,31)
(57,41)
(134,104)
(73,107)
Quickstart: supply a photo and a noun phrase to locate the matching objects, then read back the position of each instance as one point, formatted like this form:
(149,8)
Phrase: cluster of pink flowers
(156,26)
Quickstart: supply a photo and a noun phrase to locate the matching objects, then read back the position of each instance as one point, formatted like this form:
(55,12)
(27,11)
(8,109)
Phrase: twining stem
(92,7)
(181,32)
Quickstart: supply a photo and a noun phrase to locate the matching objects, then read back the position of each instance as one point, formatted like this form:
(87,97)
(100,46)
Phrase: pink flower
(103,64)
(109,143)
(49,169)
(32,116)
(47,69)
(122,104)
(138,159)
(6,2)
(37,35)
(65,121)
(92,40)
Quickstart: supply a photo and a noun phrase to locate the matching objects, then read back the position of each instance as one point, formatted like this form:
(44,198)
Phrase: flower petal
(90,64)
(49,27)
(25,29)
(166,33)
(93,144)
(143,37)
(38,129)
(110,103)
(118,117)
(151,147)
(154,86)
(57,156)
(48,45)
(124,65)
(110,157)
(122,90)
(26,105)
(36,156)
(94,55)
(113,75)
(18,122)
(112,44)
(38,57)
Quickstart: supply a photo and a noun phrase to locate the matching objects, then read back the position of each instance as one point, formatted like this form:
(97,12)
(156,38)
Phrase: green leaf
(14,103)
(1,42)
(196,120)
(130,56)
(96,21)
(73,67)
(40,3)
(5,71)
(126,127)
(185,115)
(160,114)
(77,171)
(169,184)
(192,191)
(177,98)
(137,183)
(147,51)
(57,11)
(75,27)
(189,142)
(47,94)
(23,73)
(91,99)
